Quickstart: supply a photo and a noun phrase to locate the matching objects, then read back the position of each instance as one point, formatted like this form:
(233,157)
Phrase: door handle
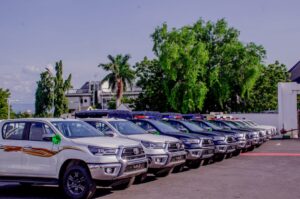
(27,147)
(1,147)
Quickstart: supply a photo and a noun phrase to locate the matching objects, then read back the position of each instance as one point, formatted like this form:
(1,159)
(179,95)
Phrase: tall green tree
(182,58)
(60,88)
(264,96)
(206,66)
(4,95)
(44,95)
(120,75)
(150,78)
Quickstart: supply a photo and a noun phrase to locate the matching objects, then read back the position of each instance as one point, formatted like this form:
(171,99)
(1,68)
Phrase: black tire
(237,152)
(163,172)
(228,155)
(251,148)
(77,183)
(178,168)
(207,161)
(124,185)
(140,178)
(219,157)
(195,164)
(244,150)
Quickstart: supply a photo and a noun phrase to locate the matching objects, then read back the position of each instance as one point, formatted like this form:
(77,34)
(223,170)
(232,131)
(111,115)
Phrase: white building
(92,94)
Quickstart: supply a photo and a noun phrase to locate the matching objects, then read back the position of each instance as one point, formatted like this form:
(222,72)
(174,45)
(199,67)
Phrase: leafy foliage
(121,75)
(4,95)
(203,66)
(150,78)
(182,58)
(44,95)
(60,87)
(264,94)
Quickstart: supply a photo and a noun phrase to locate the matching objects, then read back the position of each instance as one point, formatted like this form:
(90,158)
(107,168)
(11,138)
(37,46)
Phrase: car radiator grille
(174,147)
(133,153)
(207,142)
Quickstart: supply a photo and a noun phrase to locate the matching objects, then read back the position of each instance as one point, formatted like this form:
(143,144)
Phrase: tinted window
(76,129)
(100,126)
(127,127)
(38,131)
(163,127)
(192,126)
(13,130)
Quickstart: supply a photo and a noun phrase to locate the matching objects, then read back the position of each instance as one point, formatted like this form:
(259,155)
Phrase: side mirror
(208,128)
(47,137)
(109,133)
(183,130)
(153,131)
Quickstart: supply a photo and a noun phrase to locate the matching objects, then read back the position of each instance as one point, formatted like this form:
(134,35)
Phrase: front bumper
(116,171)
(170,159)
(208,152)
(193,154)
(225,148)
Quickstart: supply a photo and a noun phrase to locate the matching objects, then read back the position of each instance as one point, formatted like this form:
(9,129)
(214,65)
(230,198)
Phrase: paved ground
(271,171)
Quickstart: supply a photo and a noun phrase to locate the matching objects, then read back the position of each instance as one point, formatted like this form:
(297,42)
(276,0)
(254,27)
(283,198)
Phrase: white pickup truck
(68,153)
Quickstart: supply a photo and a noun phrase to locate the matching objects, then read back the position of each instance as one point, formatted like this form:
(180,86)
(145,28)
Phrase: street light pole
(8,111)
(8,108)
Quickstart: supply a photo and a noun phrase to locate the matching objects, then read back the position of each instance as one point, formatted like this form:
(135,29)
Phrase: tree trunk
(119,92)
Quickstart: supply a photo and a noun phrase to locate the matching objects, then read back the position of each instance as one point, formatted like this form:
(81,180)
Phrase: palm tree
(121,75)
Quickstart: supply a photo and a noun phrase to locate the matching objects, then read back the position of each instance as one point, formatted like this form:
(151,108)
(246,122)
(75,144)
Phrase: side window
(102,127)
(13,130)
(38,131)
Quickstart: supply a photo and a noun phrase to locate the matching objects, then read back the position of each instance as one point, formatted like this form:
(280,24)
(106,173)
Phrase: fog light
(159,160)
(109,170)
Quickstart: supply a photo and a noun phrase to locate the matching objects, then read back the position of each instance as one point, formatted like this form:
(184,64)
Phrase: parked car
(271,130)
(253,135)
(224,145)
(242,138)
(261,132)
(164,153)
(68,153)
(198,147)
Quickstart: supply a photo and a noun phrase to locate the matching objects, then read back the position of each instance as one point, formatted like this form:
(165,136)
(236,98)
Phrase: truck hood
(108,142)
(152,138)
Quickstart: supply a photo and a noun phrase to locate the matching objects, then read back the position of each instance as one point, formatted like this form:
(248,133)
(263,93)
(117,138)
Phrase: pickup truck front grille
(207,142)
(230,139)
(175,146)
(133,153)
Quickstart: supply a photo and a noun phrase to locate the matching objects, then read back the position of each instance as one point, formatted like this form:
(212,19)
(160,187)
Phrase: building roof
(295,72)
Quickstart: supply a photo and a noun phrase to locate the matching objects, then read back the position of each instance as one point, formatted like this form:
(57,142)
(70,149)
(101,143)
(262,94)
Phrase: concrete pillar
(287,107)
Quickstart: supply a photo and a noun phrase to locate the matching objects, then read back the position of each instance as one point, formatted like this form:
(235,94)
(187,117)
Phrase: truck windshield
(127,127)
(76,129)
(233,124)
(212,125)
(191,126)
(165,128)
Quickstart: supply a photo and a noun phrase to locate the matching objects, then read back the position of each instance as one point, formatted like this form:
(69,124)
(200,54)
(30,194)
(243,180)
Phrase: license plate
(134,167)
(177,158)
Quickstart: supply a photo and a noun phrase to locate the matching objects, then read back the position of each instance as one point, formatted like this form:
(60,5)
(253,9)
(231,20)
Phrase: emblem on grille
(136,151)
(177,145)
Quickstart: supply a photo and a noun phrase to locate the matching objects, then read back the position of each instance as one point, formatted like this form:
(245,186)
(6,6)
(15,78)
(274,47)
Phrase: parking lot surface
(271,171)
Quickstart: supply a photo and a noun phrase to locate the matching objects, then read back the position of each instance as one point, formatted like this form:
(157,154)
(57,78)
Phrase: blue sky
(34,34)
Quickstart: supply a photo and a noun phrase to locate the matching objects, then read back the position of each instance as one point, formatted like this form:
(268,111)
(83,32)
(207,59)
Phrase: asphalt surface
(271,171)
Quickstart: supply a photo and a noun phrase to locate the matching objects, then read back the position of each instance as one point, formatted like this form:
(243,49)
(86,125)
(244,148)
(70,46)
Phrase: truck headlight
(153,145)
(190,141)
(102,151)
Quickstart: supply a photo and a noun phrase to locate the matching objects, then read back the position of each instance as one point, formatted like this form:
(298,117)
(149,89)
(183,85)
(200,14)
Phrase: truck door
(11,148)
(40,158)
